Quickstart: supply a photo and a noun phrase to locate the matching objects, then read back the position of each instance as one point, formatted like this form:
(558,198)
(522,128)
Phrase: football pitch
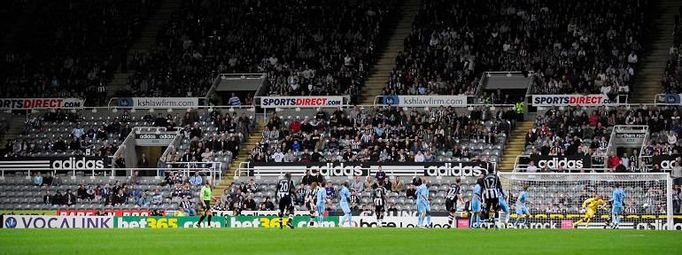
(337,241)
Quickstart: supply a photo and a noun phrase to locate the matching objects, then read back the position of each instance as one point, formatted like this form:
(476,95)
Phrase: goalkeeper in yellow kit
(591,205)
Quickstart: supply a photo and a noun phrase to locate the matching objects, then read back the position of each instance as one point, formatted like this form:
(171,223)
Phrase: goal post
(559,196)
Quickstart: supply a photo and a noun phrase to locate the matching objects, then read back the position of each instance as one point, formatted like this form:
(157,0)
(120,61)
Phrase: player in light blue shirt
(617,200)
(502,203)
(475,220)
(522,207)
(320,199)
(344,199)
(423,206)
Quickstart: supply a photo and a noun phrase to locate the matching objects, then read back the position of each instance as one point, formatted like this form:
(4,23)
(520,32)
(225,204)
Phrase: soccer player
(502,204)
(310,202)
(491,189)
(591,204)
(454,195)
(423,206)
(284,193)
(343,204)
(379,197)
(522,207)
(475,220)
(205,204)
(617,200)
(320,202)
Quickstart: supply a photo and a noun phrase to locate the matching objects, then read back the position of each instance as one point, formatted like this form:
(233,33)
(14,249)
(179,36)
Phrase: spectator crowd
(569,46)
(387,134)
(308,47)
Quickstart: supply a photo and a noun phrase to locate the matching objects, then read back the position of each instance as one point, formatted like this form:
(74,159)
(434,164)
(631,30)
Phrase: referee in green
(206,204)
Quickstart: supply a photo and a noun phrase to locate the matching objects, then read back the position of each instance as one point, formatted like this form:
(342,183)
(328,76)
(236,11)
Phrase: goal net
(555,199)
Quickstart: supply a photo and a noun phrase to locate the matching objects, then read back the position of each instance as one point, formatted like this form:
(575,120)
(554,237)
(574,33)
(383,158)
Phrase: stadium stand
(672,77)
(595,52)
(386,135)
(44,191)
(72,49)
(319,49)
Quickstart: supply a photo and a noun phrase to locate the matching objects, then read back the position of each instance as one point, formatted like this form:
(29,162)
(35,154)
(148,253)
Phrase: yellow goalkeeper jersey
(593,203)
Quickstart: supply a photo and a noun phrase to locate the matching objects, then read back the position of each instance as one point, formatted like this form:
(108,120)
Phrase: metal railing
(215,174)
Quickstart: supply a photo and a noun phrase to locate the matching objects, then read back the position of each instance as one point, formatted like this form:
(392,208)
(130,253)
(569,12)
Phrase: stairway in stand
(381,70)
(648,81)
(515,145)
(16,126)
(145,41)
(243,155)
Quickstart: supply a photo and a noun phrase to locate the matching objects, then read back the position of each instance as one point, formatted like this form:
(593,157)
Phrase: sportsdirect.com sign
(571,100)
(40,103)
(311,101)
(17,221)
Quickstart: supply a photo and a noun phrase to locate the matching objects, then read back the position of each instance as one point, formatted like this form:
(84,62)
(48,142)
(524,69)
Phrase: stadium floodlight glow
(564,193)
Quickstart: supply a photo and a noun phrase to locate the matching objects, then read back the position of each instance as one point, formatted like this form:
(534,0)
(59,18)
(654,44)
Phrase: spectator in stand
(331,191)
(357,184)
(37,179)
(380,175)
(250,204)
(531,168)
(188,207)
(307,178)
(48,198)
(82,193)
(411,191)
(196,180)
(676,173)
(369,182)
(267,205)
(234,100)
(69,198)
(397,185)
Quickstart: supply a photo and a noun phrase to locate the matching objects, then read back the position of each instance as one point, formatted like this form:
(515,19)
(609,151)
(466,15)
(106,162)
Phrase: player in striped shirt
(451,199)
(379,199)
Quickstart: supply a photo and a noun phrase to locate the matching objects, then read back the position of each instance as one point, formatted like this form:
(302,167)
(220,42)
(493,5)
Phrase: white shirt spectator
(278,157)
(531,168)
(419,157)
(632,58)
(672,138)
(347,60)
(77,132)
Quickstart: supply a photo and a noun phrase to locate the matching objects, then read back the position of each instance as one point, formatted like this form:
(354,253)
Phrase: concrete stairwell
(244,152)
(145,41)
(648,81)
(381,70)
(515,145)
(16,126)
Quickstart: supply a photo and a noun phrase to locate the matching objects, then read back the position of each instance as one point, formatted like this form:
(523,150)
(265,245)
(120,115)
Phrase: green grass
(337,241)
